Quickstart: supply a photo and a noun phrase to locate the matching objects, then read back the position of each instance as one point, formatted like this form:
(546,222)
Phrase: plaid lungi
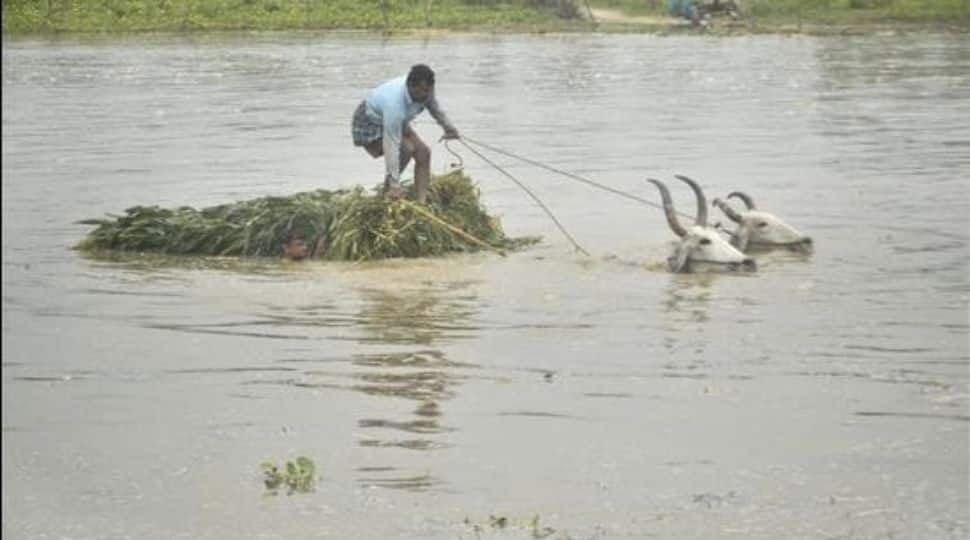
(363,128)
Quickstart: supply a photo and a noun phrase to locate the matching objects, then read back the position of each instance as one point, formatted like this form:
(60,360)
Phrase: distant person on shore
(381,125)
(685,9)
(699,12)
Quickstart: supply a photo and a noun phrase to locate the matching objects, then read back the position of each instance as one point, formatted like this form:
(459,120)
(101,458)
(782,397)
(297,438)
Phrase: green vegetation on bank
(833,12)
(34,16)
(52,16)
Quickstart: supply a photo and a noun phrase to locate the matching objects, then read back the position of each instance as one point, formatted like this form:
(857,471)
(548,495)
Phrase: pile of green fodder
(355,225)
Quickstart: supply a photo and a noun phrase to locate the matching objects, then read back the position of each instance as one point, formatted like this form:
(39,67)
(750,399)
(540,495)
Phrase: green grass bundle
(355,225)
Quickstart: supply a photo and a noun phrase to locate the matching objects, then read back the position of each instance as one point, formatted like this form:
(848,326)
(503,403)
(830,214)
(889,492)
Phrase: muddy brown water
(822,397)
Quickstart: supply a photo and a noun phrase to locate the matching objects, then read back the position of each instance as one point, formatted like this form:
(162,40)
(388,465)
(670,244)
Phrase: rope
(451,227)
(531,194)
(461,162)
(568,175)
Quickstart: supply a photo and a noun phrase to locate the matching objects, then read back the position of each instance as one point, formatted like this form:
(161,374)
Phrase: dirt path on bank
(613,16)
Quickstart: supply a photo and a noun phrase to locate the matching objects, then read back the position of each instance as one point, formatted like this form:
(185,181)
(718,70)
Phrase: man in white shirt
(382,126)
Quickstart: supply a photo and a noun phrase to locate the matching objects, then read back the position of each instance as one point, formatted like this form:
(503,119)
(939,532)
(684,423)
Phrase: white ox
(757,229)
(700,247)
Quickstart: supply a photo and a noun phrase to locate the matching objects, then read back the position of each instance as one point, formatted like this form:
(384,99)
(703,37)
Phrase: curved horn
(669,208)
(728,211)
(744,197)
(701,218)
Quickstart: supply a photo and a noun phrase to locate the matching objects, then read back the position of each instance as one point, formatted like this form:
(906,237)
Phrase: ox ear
(742,237)
(678,261)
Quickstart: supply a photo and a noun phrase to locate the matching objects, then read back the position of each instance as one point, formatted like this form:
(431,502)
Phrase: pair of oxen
(707,248)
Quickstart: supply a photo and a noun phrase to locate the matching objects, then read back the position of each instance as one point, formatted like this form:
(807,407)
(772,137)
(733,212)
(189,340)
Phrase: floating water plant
(354,225)
(499,523)
(298,476)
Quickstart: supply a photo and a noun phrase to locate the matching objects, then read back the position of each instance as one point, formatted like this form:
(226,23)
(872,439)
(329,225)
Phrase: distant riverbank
(44,16)
(527,16)
(793,16)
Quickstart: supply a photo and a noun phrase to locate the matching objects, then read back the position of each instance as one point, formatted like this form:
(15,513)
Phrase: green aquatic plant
(299,476)
(501,523)
(353,225)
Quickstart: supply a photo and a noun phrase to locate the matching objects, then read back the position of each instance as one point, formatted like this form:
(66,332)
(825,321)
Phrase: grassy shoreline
(113,16)
(821,16)
(33,17)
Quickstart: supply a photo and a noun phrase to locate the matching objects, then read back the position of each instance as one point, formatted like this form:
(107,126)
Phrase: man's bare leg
(406,153)
(411,147)
(422,163)
(375,148)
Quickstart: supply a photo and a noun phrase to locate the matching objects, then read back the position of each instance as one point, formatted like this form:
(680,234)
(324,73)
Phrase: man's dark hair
(294,235)
(420,73)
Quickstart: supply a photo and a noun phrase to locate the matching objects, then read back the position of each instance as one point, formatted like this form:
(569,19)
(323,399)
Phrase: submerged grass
(354,225)
(501,524)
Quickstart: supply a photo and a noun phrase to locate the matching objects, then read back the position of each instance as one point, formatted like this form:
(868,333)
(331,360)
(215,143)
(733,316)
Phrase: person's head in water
(420,82)
(295,247)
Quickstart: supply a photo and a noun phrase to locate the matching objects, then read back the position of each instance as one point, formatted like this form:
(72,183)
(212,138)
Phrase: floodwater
(820,397)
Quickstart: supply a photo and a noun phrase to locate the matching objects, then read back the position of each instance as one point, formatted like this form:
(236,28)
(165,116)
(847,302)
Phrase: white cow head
(761,229)
(700,246)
